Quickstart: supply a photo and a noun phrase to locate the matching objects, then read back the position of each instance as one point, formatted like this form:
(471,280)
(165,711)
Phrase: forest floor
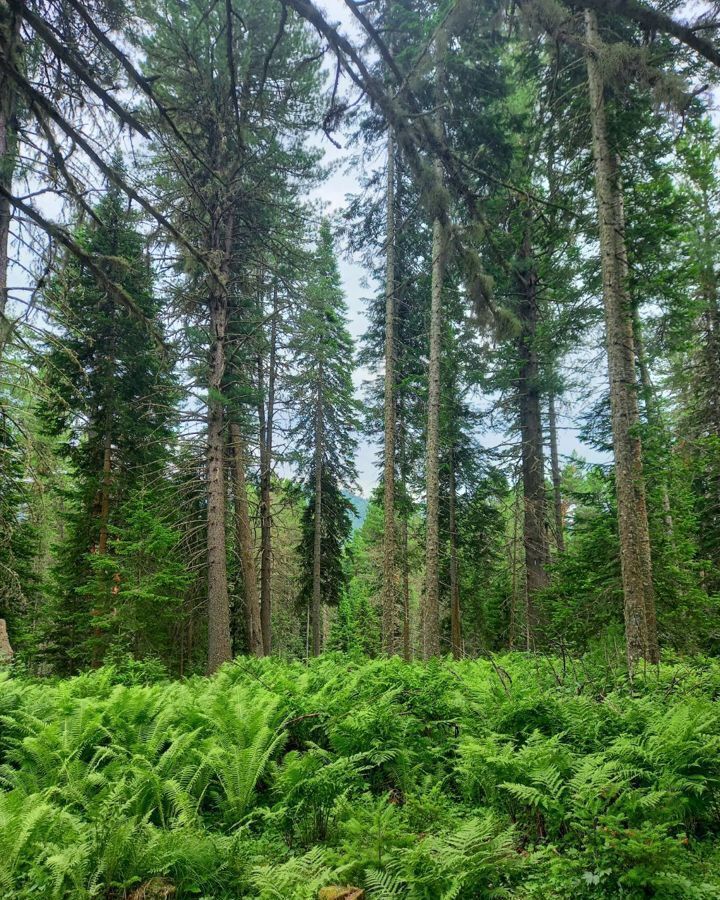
(514,777)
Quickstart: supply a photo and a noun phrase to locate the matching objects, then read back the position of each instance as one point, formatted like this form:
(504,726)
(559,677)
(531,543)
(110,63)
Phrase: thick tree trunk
(531,434)
(219,641)
(431,596)
(266,463)
(246,544)
(406,643)
(634,535)
(712,350)
(456,642)
(389,573)
(9,50)
(555,470)
(709,394)
(316,613)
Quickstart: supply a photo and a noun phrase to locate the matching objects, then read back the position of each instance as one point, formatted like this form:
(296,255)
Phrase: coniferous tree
(109,402)
(325,418)
(235,70)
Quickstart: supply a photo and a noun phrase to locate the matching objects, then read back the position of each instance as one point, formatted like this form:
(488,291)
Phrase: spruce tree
(109,402)
(325,418)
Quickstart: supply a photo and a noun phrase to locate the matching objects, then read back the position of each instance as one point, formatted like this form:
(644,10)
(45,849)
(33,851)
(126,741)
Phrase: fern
(440,781)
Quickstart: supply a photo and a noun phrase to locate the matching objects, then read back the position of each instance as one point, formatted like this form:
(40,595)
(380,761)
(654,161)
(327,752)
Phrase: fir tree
(110,404)
(325,411)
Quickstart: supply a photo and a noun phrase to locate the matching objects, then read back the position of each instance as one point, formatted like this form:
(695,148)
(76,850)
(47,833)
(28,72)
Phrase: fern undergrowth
(478,779)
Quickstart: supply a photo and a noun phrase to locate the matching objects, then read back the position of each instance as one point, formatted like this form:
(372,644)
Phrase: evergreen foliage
(109,404)
(324,421)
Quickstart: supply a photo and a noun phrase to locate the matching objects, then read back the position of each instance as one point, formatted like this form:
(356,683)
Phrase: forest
(359,449)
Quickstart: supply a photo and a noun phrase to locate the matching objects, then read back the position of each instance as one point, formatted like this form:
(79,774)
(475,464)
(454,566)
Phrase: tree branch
(651,18)
(89,260)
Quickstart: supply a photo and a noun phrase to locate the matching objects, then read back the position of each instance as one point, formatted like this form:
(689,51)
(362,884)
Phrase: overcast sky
(358,286)
(333,193)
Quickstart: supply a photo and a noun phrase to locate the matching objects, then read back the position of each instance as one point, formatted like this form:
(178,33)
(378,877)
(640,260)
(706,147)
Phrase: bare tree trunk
(9,51)
(407,647)
(711,317)
(531,435)
(634,534)
(245,543)
(513,561)
(317,545)
(389,573)
(431,597)
(555,470)
(219,641)
(456,642)
(103,509)
(266,463)
(406,641)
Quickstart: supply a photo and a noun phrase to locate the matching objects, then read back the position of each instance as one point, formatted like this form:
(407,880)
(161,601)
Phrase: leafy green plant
(463,779)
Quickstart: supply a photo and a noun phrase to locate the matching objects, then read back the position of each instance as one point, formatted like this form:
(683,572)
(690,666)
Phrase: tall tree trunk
(219,641)
(431,596)
(555,470)
(711,317)
(653,417)
(531,434)
(266,463)
(406,642)
(317,618)
(634,534)
(455,617)
(407,646)
(103,508)
(389,573)
(9,51)
(705,400)
(245,543)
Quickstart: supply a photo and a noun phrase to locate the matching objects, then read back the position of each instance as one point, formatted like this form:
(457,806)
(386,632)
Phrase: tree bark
(266,463)
(634,534)
(431,596)
(389,572)
(556,479)
(402,436)
(531,434)
(9,50)
(245,544)
(456,642)
(316,616)
(219,640)
(407,646)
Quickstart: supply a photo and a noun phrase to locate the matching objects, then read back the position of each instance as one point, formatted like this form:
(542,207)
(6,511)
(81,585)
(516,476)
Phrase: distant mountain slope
(361,508)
